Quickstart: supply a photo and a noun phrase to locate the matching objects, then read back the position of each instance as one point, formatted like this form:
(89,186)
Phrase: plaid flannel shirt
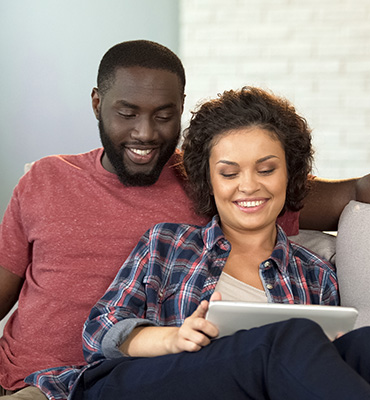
(171,270)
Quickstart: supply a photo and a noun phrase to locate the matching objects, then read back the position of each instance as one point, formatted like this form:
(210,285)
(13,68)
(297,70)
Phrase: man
(71,223)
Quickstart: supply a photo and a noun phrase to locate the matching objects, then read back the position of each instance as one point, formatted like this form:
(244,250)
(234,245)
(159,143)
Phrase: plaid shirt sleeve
(56,383)
(125,299)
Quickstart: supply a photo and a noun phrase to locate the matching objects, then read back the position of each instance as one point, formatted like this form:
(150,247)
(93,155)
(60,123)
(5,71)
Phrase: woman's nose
(248,183)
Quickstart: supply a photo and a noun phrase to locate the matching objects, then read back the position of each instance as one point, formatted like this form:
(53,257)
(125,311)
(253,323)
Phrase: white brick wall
(316,53)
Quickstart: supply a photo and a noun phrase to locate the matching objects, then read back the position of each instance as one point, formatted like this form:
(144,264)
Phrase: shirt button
(269,286)
(267,264)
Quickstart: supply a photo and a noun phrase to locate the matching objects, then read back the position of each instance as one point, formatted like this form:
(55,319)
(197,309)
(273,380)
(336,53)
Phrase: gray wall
(50,51)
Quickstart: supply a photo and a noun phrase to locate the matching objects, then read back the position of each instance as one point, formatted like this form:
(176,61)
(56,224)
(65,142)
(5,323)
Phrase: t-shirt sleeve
(289,221)
(15,249)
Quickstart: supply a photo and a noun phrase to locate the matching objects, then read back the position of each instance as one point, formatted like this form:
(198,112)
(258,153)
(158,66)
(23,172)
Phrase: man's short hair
(138,53)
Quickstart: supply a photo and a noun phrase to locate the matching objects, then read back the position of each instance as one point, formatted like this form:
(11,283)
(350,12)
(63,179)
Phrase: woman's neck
(262,240)
(248,251)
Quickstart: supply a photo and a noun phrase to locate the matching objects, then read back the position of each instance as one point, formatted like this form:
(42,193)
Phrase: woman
(247,155)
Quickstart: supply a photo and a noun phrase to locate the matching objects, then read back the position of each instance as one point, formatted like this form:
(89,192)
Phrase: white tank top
(233,289)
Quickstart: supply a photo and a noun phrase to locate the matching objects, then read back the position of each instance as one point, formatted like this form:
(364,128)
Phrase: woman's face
(249,177)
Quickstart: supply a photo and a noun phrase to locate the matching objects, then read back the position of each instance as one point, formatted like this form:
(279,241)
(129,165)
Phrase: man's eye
(127,115)
(164,117)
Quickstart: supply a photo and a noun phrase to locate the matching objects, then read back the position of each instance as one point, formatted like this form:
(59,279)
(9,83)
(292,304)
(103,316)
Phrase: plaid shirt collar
(213,236)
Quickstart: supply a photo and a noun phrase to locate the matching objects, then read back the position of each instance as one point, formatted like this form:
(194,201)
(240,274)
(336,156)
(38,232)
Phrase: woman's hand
(196,332)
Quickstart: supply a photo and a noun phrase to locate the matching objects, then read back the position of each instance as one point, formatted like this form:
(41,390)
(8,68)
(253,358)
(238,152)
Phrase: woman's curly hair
(245,108)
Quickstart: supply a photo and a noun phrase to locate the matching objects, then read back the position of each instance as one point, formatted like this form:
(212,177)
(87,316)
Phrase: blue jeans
(287,360)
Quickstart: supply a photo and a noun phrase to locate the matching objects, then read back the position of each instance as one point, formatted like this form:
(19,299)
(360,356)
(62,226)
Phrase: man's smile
(141,152)
(141,156)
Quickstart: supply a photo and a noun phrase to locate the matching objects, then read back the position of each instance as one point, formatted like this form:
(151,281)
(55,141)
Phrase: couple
(71,222)
(247,155)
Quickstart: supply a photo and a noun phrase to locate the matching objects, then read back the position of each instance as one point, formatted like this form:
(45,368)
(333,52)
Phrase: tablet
(231,316)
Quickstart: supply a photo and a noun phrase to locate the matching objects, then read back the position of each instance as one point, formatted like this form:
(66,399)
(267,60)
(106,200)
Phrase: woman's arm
(151,341)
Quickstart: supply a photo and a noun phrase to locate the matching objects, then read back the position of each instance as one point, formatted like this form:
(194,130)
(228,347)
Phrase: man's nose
(144,130)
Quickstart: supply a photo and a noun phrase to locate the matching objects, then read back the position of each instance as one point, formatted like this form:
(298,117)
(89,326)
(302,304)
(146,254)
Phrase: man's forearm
(363,189)
(327,199)
(10,286)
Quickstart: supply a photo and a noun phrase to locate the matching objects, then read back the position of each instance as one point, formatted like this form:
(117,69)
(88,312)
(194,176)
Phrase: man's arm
(10,286)
(327,199)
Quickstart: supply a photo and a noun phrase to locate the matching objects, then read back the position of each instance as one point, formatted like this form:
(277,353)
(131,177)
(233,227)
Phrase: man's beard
(136,178)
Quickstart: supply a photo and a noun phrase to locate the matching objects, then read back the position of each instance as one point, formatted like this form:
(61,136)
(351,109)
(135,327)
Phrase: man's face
(139,122)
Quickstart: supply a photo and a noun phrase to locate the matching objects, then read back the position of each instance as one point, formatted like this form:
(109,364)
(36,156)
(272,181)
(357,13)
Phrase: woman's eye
(267,171)
(228,175)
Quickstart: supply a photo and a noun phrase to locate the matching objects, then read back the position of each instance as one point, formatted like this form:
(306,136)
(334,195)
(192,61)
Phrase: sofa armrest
(353,259)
